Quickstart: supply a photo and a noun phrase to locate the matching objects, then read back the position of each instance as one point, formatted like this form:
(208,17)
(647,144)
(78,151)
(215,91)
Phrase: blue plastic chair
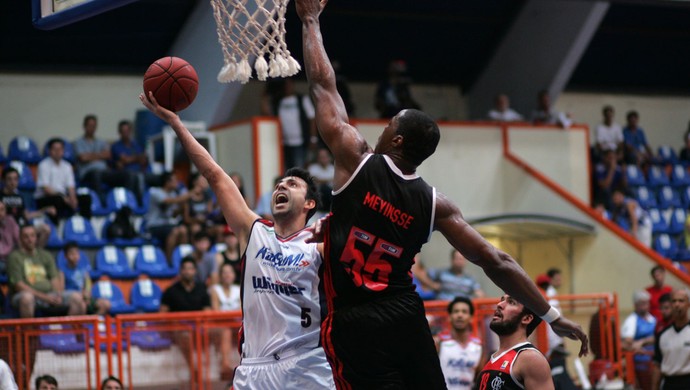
(180,253)
(657,177)
(68,154)
(668,198)
(676,223)
(146,296)
(27,182)
(666,246)
(54,240)
(80,230)
(659,223)
(24,149)
(151,260)
(59,342)
(634,176)
(107,290)
(97,209)
(645,197)
(679,176)
(112,261)
(667,155)
(119,197)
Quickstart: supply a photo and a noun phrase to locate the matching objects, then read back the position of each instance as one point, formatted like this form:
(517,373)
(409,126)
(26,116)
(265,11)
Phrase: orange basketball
(173,81)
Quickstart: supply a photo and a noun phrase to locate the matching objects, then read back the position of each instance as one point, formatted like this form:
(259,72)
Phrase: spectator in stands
(93,157)
(322,171)
(55,184)
(343,88)
(6,377)
(263,206)
(626,210)
(393,94)
(112,383)
(684,154)
(163,217)
(239,182)
(196,209)
(608,175)
(666,310)
(14,203)
(502,111)
(637,150)
(128,156)
(225,296)
(187,294)
(206,267)
(231,255)
(637,335)
(544,114)
(453,282)
(35,282)
(424,286)
(609,135)
(76,278)
(9,237)
(656,290)
(46,382)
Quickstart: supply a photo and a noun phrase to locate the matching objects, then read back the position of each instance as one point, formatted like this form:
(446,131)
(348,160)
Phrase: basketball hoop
(249,29)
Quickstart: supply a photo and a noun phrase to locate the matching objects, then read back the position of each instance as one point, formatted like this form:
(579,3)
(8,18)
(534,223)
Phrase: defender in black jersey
(376,334)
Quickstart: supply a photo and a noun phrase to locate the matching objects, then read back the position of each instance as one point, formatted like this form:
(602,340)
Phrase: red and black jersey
(498,371)
(381,218)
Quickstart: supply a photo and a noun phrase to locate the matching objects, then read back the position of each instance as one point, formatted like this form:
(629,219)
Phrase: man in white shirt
(502,111)
(322,171)
(55,185)
(296,114)
(609,135)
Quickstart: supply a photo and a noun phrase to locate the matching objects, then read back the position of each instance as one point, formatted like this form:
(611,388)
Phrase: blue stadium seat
(667,155)
(80,230)
(676,223)
(668,198)
(26,177)
(659,223)
(180,253)
(84,262)
(151,261)
(24,149)
(3,158)
(54,240)
(146,296)
(680,176)
(666,246)
(119,197)
(108,290)
(97,209)
(656,177)
(149,340)
(135,241)
(68,151)
(634,176)
(112,261)
(60,342)
(645,197)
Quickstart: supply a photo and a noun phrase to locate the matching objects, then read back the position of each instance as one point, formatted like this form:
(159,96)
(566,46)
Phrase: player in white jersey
(460,352)
(280,282)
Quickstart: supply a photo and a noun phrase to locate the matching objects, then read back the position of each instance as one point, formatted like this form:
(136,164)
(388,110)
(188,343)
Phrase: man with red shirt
(657,290)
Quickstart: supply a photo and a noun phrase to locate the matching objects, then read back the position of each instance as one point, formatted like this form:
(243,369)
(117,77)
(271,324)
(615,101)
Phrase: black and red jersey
(497,374)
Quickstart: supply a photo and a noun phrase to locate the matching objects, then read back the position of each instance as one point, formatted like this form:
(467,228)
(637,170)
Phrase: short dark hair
(49,379)
(90,117)
(606,108)
(192,179)
(70,245)
(54,141)
(656,268)
(165,176)
(631,114)
(200,235)
(461,299)
(26,225)
(312,191)
(665,298)
(111,378)
(8,170)
(187,259)
(122,123)
(536,320)
(420,135)
(553,272)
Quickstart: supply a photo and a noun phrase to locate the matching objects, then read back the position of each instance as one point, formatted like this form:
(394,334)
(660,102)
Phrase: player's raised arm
(500,267)
(346,143)
(237,214)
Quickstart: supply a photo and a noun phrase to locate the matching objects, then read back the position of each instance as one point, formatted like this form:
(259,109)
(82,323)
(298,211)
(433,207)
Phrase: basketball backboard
(51,14)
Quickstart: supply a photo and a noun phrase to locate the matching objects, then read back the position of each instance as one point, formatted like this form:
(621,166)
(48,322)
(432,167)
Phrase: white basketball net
(253,29)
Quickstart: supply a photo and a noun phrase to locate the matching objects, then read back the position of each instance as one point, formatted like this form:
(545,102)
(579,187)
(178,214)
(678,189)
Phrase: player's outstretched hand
(566,328)
(310,8)
(156,108)
(317,229)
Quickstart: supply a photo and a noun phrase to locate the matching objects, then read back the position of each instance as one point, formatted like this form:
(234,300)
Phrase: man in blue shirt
(128,156)
(637,150)
(454,282)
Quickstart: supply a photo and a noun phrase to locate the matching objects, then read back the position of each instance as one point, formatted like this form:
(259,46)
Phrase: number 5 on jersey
(372,272)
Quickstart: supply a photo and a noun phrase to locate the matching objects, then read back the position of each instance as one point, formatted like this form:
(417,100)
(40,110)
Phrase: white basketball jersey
(280,293)
(458,363)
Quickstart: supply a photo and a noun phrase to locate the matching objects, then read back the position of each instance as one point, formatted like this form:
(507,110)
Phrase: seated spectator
(637,150)
(231,255)
(187,294)
(128,156)
(637,335)
(196,209)
(225,296)
(163,217)
(35,282)
(93,157)
(76,278)
(684,153)
(608,175)
(46,382)
(7,381)
(55,185)
(630,211)
(502,111)
(9,237)
(393,94)
(453,282)
(322,171)
(425,287)
(609,135)
(263,206)
(112,383)
(206,266)
(546,115)
(14,203)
